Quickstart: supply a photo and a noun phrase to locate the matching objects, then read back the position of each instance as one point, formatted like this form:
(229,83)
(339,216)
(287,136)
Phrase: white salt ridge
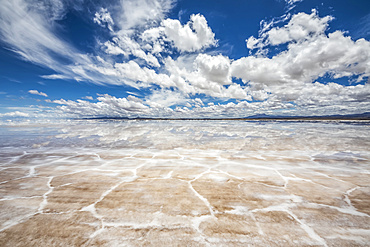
(206,202)
(45,196)
(351,211)
(360,241)
(238,210)
(14,159)
(293,198)
(346,198)
(308,229)
(216,177)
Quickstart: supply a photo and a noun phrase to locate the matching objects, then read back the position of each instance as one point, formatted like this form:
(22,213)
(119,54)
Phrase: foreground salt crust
(185,183)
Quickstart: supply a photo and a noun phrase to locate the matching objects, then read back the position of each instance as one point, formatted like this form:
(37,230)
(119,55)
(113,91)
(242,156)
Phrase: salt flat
(185,183)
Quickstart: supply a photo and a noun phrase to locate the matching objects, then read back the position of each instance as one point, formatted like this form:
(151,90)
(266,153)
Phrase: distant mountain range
(362,116)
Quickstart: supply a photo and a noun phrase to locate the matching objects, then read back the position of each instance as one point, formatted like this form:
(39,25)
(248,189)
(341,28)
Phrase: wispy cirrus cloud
(290,4)
(29,34)
(35,92)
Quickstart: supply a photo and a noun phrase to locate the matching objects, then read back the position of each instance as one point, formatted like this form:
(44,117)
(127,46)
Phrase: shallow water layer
(185,183)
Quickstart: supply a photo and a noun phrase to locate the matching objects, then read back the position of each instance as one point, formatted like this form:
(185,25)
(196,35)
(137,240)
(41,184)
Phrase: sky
(186,58)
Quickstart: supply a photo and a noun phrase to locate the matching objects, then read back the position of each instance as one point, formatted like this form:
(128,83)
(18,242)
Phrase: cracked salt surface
(198,183)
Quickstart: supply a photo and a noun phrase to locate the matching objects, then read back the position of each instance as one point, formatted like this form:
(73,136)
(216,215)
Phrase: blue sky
(167,58)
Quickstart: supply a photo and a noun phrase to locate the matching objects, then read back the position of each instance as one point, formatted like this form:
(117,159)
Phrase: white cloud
(31,35)
(14,114)
(310,55)
(158,106)
(37,93)
(88,97)
(103,18)
(165,98)
(54,77)
(193,36)
(290,4)
(301,26)
(192,75)
(54,9)
(305,61)
(214,68)
(141,13)
(126,46)
(107,105)
(316,99)
(134,72)
(111,48)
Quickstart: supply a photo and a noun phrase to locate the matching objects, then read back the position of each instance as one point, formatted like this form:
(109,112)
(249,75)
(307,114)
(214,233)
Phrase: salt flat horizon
(184,123)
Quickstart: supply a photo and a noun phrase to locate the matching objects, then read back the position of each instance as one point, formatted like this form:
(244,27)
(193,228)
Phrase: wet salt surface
(185,183)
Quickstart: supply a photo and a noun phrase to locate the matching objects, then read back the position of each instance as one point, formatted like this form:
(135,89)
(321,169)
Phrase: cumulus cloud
(14,114)
(107,105)
(314,99)
(134,72)
(161,107)
(204,74)
(301,26)
(310,54)
(153,106)
(193,36)
(88,97)
(214,68)
(165,98)
(37,93)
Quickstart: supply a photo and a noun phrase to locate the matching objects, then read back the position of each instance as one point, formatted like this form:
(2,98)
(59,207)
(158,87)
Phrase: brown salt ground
(188,201)
(187,184)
